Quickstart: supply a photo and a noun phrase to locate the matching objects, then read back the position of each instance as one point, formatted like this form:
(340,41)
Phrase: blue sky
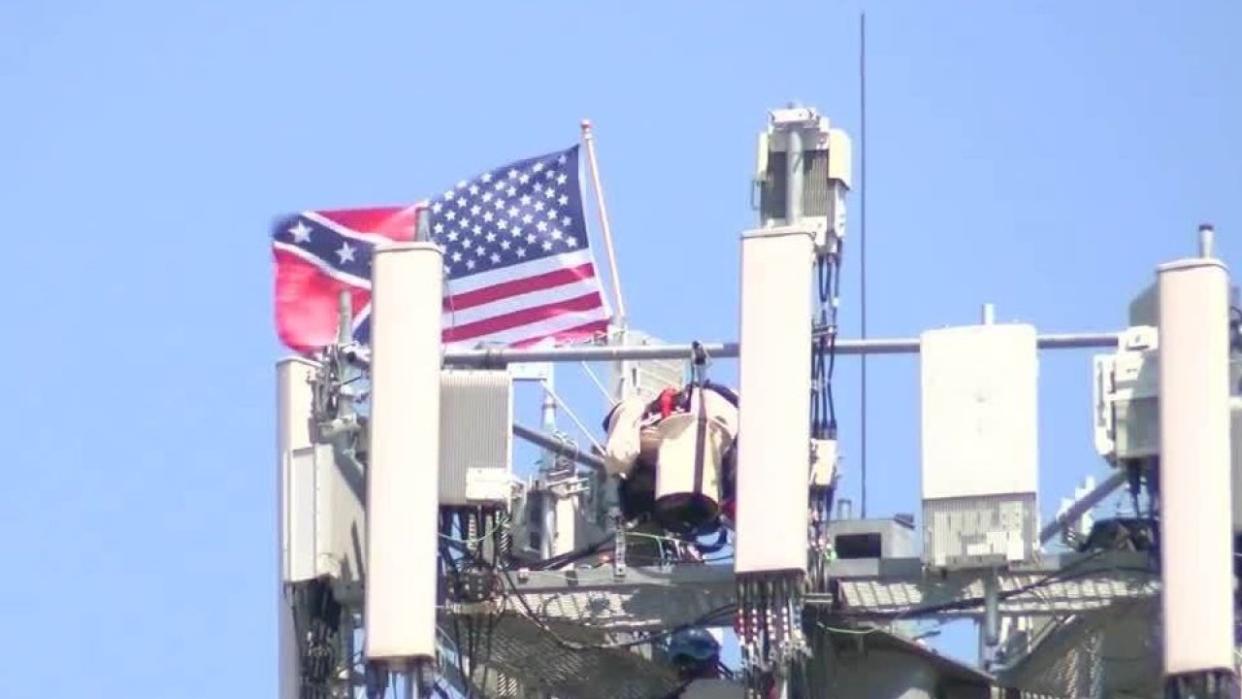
(1041,156)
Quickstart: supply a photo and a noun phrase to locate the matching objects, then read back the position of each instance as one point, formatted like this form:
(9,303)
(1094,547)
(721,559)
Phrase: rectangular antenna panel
(324,522)
(979,444)
(476,437)
(403,472)
(774,446)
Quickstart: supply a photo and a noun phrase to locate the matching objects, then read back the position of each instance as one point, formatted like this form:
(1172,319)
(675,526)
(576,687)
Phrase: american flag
(518,265)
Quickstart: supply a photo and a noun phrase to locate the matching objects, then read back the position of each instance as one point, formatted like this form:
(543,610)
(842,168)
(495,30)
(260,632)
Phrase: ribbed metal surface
(476,412)
(980,531)
(815,192)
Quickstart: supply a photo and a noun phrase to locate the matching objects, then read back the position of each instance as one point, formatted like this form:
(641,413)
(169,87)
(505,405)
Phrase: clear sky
(1042,156)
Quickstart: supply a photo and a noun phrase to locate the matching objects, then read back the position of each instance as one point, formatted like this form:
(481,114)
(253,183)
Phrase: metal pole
(500,356)
(1085,503)
(588,139)
(542,440)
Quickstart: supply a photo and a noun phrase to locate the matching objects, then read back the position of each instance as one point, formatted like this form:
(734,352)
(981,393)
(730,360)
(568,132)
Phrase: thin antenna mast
(862,242)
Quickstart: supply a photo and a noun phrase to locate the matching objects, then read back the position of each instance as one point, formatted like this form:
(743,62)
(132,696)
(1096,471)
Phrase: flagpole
(588,138)
(620,320)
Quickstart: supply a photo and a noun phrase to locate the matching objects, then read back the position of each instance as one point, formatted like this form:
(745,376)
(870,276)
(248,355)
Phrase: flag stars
(487,196)
(511,190)
(466,244)
(495,259)
(478,230)
(450,215)
(551,214)
(549,174)
(560,179)
(300,232)
(530,238)
(491,237)
(520,252)
(474,190)
(499,203)
(503,224)
(538,187)
(547,245)
(513,174)
(566,221)
(469,264)
(474,210)
(438,228)
(542,226)
(452,236)
(562,159)
(524,178)
(449,195)
(480,251)
(526,200)
(461,184)
(346,253)
(538,168)
(436,207)
(562,200)
(538,206)
(461,202)
(456,256)
(504,245)
(487,177)
(527,218)
(571,242)
(489,217)
(557,234)
(549,193)
(513,212)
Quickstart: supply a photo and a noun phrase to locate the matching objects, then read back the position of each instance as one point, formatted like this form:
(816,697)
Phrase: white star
(480,251)
(466,244)
(457,257)
(346,253)
(530,238)
(448,196)
(461,202)
(487,196)
(452,236)
(538,206)
(474,210)
(487,177)
(566,221)
(527,218)
(504,245)
(560,179)
(562,160)
(563,200)
(542,226)
(511,190)
(538,167)
(571,242)
(438,228)
(516,232)
(547,245)
(495,259)
(513,212)
(551,214)
(474,189)
(469,264)
(301,232)
(450,215)
(500,185)
(502,224)
(478,230)
(463,224)
(513,174)
(538,187)
(491,237)
(524,178)
(499,203)
(557,234)
(525,200)
(435,208)
(521,252)
(461,184)
(488,217)
(549,174)
(549,192)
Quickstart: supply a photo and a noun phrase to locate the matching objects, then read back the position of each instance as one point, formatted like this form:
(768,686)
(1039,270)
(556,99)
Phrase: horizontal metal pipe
(500,356)
(557,446)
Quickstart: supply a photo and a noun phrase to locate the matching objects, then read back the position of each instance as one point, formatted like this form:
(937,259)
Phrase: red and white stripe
(555,298)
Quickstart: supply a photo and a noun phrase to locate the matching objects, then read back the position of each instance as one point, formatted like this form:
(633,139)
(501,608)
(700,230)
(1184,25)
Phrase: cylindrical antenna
(1207,239)
(862,249)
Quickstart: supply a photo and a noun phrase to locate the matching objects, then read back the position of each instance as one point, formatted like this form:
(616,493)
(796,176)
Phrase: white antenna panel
(774,425)
(979,443)
(402,483)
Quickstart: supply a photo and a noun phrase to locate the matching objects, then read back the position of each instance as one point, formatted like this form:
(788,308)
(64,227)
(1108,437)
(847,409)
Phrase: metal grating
(476,411)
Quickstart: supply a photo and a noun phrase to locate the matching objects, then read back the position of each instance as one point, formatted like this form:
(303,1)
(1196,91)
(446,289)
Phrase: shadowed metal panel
(476,436)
